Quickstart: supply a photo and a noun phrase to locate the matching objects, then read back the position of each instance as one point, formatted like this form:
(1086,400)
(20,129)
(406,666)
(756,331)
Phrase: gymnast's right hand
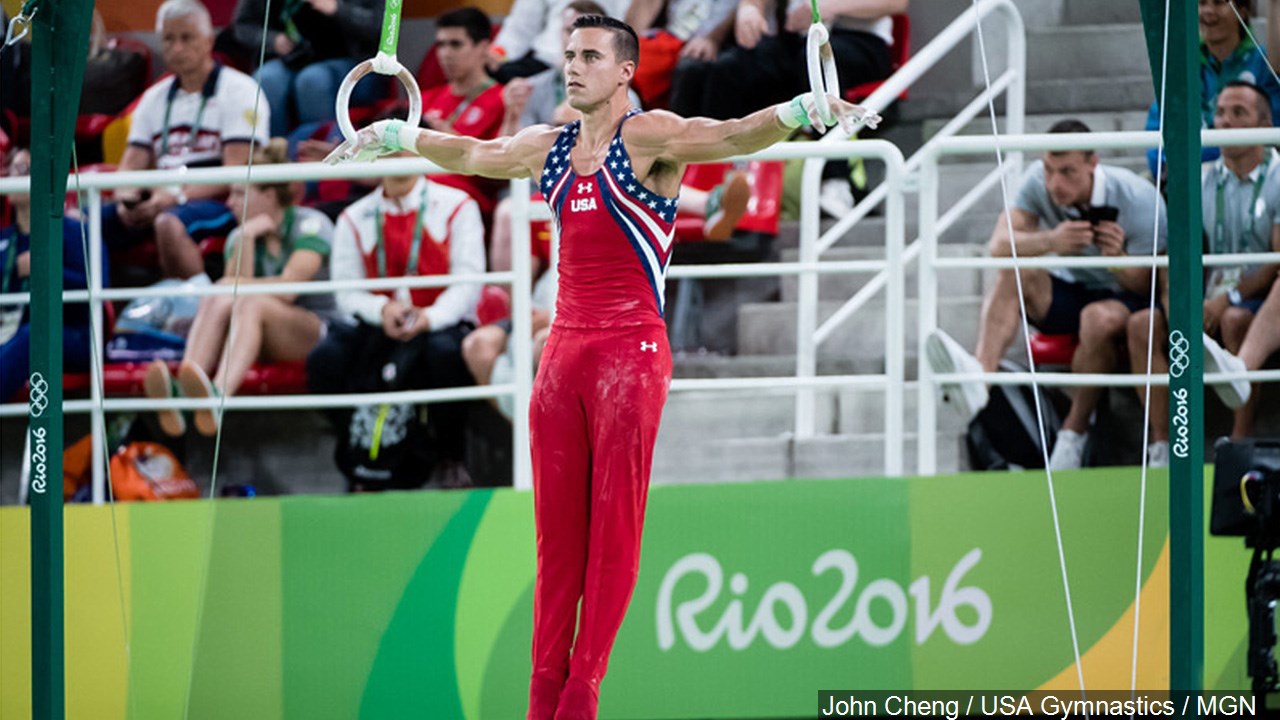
(384,137)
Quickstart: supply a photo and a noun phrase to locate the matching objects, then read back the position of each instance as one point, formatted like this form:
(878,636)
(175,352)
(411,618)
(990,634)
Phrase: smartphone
(1101,213)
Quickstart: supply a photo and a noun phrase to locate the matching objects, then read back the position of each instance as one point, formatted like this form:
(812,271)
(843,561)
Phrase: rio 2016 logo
(682,619)
(39,460)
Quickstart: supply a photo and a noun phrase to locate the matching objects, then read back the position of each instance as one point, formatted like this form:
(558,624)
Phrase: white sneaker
(1068,451)
(1158,454)
(945,355)
(836,198)
(1234,393)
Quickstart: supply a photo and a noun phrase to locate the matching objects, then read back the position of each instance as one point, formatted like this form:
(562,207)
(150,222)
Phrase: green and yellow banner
(751,599)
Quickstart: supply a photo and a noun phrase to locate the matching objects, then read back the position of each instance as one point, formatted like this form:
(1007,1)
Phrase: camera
(1246,492)
(1246,503)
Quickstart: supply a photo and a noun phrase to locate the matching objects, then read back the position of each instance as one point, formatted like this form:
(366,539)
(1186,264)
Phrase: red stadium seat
(763,209)
(1053,349)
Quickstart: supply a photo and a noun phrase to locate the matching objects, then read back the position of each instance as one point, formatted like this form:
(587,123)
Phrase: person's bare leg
(480,350)
(1258,342)
(693,200)
(500,245)
(208,332)
(1139,324)
(269,328)
(1001,316)
(179,255)
(1101,325)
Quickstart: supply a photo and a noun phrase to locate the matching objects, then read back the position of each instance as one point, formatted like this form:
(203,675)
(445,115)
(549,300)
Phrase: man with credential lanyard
(1240,200)
(407,339)
(201,116)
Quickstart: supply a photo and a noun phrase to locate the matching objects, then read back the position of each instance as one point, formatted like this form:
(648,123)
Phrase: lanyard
(291,8)
(273,265)
(466,102)
(1220,207)
(195,128)
(415,249)
(10,260)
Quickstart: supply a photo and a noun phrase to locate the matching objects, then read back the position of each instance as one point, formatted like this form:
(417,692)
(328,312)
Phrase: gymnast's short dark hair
(626,45)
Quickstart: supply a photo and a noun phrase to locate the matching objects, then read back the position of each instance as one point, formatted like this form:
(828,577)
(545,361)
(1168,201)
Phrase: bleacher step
(844,286)
(769,328)
(691,460)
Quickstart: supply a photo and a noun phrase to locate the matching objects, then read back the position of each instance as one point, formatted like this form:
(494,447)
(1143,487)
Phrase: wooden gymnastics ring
(823,78)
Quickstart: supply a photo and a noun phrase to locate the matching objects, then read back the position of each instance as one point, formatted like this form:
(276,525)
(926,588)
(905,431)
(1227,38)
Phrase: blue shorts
(1250,304)
(202,219)
(1069,299)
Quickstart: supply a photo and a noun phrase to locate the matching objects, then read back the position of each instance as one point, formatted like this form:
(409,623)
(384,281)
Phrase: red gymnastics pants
(593,420)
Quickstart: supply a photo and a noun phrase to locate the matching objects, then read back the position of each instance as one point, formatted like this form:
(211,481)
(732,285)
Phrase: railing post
(98,424)
(927,316)
(807,296)
(522,350)
(895,316)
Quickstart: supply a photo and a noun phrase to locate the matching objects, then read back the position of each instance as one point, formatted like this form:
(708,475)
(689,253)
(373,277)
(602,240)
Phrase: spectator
(1260,342)
(1240,201)
(15,81)
(1226,54)
(470,103)
(529,41)
(205,114)
(674,29)
(489,356)
(767,65)
(312,44)
(405,340)
(276,242)
(15,321)
(1071,205)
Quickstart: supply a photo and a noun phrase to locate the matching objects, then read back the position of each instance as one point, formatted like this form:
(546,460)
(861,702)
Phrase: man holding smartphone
(1069,204)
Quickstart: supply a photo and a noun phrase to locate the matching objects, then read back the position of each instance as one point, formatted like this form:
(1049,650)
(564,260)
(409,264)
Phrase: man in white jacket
(404,339)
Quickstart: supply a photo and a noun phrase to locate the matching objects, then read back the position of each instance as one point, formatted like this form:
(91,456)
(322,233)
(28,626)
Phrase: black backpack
(385,447)
(1003,436)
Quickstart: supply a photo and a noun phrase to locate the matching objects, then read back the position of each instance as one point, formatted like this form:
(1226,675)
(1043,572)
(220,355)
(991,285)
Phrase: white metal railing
(1012,84)
(93,185)
(889,274)
(931,228)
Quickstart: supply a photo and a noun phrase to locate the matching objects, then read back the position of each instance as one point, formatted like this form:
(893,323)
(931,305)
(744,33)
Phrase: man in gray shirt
(1069,204)
(1240,204)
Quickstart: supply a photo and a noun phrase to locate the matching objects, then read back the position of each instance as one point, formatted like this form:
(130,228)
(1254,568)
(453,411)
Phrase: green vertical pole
(57,70)
(1186,347)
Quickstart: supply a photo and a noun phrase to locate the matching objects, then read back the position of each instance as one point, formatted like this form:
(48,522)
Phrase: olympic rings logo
(1179,357)
(39,395)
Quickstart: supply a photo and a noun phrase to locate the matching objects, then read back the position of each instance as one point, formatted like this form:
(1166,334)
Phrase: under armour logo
(38,395)
(648,346)
(1179,358)
(584,187)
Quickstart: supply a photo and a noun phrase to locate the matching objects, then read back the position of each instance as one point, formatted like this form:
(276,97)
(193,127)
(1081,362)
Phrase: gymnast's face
(1068,176)
(592,73)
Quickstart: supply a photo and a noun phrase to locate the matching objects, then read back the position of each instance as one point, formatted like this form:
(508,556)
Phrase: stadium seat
(763,209)
(1053,349)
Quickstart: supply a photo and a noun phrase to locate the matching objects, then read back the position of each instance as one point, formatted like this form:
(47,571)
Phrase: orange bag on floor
(149,471)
